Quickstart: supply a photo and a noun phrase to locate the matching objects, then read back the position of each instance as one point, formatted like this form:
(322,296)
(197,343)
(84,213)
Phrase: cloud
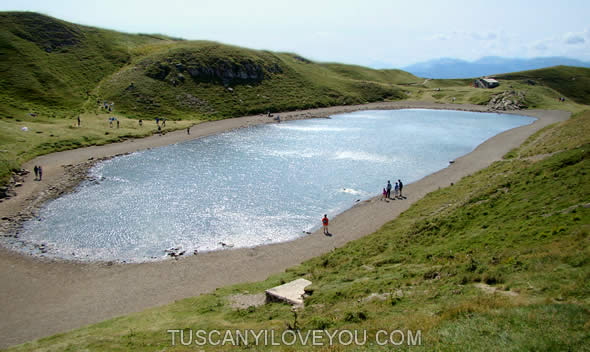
(484,36)
(574,38)
(441,36)
(541,46)
(460,35)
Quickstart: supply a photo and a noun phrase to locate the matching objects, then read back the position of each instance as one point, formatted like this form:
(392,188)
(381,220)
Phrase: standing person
(325,224)
(188,130)
(384,195)
(36,169)
(78,120)
(396,190)
(110,122)
(401,186)
(140,122)
(388,189)
(117,123)
(159,130)
(158,121)
(163,122)
(40,173)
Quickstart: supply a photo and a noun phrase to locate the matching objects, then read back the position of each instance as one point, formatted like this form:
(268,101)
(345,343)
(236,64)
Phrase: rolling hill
(57,68)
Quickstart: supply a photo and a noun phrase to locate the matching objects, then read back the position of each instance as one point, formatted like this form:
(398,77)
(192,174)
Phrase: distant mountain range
(455,68)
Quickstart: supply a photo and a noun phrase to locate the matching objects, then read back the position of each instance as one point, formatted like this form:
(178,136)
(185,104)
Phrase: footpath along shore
(41,297)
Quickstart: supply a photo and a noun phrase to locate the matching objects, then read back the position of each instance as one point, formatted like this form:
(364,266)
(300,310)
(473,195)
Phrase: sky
(375,33)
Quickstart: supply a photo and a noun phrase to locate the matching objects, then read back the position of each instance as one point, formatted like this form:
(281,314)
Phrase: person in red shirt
(325,223)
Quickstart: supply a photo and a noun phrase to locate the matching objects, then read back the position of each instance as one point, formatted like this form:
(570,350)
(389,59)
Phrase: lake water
(252,186)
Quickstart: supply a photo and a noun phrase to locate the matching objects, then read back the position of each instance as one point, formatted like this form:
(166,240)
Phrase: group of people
(113,119)
(397,193)
(105,105)
(158,119)
(38,173)
(397,190)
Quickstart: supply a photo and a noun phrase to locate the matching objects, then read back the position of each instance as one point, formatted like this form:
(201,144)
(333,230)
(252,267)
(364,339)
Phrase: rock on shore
(507,100)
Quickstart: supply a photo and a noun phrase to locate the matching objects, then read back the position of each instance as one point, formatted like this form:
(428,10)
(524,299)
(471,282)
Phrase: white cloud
(440,36)
(574,38)
(540,45)
(484,36)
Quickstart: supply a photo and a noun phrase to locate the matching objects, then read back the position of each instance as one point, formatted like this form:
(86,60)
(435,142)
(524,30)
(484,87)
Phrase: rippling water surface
(251,186)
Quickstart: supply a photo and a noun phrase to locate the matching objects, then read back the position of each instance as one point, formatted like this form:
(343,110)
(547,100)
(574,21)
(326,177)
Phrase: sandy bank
(43,297)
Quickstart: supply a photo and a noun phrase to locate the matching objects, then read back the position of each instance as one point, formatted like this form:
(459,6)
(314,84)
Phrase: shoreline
(47,296)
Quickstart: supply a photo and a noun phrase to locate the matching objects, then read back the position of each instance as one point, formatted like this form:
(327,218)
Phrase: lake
(252,186)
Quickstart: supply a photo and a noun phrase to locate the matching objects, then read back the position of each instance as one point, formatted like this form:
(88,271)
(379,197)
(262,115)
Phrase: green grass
(51,66)
(47,135)
(163,83)
(570,82)
(519,226)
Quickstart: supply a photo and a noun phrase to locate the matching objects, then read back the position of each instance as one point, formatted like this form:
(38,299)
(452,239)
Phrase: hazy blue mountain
(489,65)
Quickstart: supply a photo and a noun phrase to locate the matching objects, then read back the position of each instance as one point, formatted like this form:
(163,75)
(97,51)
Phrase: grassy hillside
(542,89)
(208,80)
(498,261)
(50,67)
(570,82)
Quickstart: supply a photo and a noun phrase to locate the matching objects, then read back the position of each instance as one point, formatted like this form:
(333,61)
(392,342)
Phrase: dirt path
(44,297)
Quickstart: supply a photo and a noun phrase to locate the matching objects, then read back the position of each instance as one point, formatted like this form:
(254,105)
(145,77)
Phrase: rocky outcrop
(158,71)
(16,179)
(226,71)
(221,70)
(507,100)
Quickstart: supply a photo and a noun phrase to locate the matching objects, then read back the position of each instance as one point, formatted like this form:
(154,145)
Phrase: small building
(486,83)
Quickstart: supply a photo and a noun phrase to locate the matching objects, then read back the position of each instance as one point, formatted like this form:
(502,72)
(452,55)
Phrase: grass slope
(571,82)
(50,67)
(520,227)
(208,80)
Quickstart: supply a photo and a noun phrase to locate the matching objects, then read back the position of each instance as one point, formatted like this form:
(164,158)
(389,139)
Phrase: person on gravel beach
(325,224)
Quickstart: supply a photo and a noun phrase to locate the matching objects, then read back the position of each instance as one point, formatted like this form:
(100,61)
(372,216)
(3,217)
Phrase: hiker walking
(384,195)
(325,224)
(78,120)
(401,186)
(117,123)
(188,130)
(396,190)
(140,122)
(163,122)
(40,170)
(36,169)
(388,189)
